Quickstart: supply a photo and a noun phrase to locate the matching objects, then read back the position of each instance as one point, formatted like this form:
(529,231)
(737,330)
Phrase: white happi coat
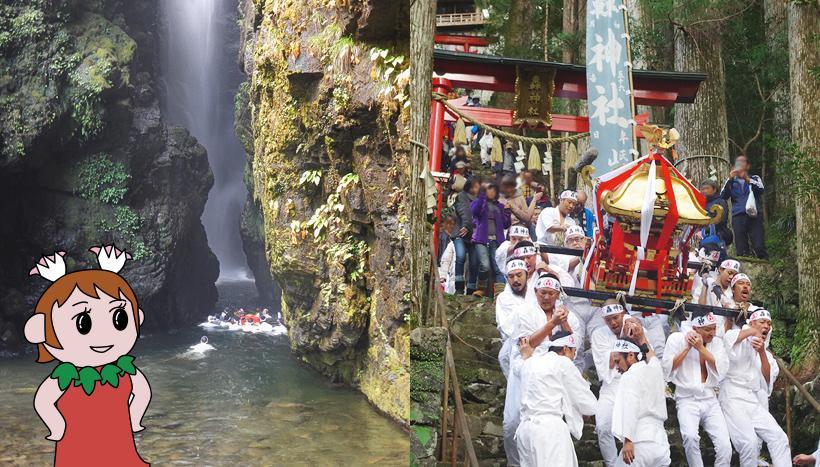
(712,300)
(531,319)
(601,343)
(554,396)
(548,218)
(656,327)
(501,256)
(589,319)
(639,413)
(508,307)
(696,400)
(747,416)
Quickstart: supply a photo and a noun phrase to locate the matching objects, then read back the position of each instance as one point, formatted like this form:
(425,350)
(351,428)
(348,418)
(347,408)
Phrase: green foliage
(310,177)
(127,223)
(352,255)
(498,26)
(798,167)
(393,72)
(105,182)
(102,179)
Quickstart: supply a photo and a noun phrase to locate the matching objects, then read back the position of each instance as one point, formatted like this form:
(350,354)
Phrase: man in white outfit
(554,397)
(552,222)
(751,370)
(537,323)
(517,233)
(602,341)
(640,403)
(508,306)
(739,298)
(569,269)
(695,361)
(716,291)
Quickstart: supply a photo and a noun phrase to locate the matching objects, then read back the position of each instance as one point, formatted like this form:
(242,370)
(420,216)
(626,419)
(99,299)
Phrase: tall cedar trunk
(519,27)
(636,19)
(804,56)
(702,125)
(570,26)
(779,199)
(422,30)
(517,40)
(546,31)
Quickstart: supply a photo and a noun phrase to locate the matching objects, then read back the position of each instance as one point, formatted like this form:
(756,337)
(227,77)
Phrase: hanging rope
(509,136)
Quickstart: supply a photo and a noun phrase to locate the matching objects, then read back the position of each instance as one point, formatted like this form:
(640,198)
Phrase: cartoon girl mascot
(95,398)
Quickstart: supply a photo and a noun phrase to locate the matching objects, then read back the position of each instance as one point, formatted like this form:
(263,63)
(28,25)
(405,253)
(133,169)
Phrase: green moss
(423,433)
(104,183)
(308,227)
(65,56)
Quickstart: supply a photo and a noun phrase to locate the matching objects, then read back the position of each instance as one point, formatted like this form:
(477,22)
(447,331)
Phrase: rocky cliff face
(85,158)
(328,174)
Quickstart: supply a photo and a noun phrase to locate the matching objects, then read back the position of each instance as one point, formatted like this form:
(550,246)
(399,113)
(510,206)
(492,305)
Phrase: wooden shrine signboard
(533,96)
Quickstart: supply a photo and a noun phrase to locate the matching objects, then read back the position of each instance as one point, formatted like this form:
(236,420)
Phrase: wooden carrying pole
(648,302)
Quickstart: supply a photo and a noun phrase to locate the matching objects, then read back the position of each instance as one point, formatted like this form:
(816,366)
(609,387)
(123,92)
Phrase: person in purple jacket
(491,219)
(747,228)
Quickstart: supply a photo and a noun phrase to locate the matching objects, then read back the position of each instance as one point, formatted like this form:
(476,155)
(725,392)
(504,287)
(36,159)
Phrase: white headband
(731,264)
(519,231)
(703,320)
(521,251)
(515,264)
(612,309)
(760,313)
(574,231)
(738,278)
(568,194)
(548,282)
(622,346)
(566,341)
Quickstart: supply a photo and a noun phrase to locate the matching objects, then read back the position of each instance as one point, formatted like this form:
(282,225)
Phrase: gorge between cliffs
(248,154)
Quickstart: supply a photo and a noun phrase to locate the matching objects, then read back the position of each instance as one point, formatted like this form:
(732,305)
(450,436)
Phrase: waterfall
(198,53)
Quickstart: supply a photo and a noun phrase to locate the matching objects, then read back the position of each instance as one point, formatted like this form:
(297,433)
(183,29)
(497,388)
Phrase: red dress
(98,427)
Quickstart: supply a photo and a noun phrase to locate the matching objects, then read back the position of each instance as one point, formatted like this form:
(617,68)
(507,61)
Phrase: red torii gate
(486,72)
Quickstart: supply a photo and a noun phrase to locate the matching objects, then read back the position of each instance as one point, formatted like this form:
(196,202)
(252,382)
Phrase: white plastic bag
(751,207)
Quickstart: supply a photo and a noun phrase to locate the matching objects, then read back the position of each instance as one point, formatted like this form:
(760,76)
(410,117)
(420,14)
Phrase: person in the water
(266,317)
(95,398)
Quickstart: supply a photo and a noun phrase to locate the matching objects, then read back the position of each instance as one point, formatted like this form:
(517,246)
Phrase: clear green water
(247,403)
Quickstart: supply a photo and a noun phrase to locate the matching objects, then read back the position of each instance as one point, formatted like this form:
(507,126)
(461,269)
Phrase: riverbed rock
(328,173)
(86,159)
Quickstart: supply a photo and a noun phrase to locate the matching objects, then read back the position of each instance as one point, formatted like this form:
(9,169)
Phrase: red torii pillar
(441,86)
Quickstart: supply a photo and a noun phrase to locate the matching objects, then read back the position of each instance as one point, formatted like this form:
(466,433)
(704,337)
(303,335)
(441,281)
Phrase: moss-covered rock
(328,174)
(85,158)
(427,359)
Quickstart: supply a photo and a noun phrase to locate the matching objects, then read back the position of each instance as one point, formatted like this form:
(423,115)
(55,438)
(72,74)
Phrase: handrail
(796,383)
(459,418)
(454,19)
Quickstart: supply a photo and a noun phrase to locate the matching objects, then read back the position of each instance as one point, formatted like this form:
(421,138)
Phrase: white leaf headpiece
(51,267)
(110,258)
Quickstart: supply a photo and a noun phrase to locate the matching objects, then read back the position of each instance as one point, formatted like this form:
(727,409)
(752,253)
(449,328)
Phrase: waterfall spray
(199,45)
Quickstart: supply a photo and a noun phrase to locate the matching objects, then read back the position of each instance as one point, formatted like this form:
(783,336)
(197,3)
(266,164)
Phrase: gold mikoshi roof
(627,199)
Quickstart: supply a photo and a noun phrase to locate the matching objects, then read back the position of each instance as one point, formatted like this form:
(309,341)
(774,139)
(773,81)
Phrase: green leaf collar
(65,373)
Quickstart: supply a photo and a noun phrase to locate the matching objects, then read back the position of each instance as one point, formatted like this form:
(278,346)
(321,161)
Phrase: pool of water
(248,402)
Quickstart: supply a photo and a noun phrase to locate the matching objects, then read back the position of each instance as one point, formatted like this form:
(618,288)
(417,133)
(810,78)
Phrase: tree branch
(727,17)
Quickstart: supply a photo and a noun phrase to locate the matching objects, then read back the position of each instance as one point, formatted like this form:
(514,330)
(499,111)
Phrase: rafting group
(247,321)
